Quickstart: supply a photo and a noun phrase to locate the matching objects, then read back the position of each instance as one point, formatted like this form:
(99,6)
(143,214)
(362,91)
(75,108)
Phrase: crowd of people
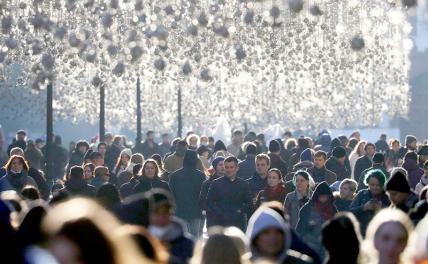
(196,200)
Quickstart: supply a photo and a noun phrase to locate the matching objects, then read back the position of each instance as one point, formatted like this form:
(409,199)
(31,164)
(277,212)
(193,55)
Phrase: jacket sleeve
(331,178)
(212,199)
(248,200)
(287,204)
(302,223)
(203,195)
(357,205)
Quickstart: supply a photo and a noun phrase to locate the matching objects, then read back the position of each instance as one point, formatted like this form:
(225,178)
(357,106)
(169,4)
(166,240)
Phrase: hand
(369,206)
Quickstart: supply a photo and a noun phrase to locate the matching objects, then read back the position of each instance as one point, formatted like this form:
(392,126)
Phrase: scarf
(325,210)
(276,193)
(18,180)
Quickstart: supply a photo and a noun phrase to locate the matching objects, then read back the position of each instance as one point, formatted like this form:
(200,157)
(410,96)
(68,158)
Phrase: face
(262,166)
(237,139)
(165,139)
(396,147)
(273,179)
(17,165)
(161,216)
(125,159)
(370,150)
(106,177)
(150,136)
(390,241)
(323,198)
(82,149)
(301,183)
(64,250)
(220,168)
(346,191)
(149,170)
(40,145)
(98,162)
(374,186)
(193,141)
(397,197)
(319,162)
(413,145)
(20,137)
(231,168)
(361,148)
(204,141)
(102,149)
(270,242)
(341,160)
(87,173)
(205,154)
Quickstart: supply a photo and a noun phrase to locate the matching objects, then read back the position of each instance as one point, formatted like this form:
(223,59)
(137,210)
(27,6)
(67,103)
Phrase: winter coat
(309,225)
(127,189)
(361,165)
(111,156)
(179,243)
(256,184)
(41,182)
(357,205)
(295,158)
(145,184)
(419,212)
(303,165)
(98,181)
(17,144)
(361,184)
(175,162)
(148,150)
(352,161)
(323,174)
(342,205)
(268,218)
(408,204)
(79,188)
(294,201)
(268,194)
(381,146)
(342,172)
(76,159)
(414,172)
(394,157)
(16,182)
(34,158)
(59,155)
(421,184)
(185,185)
(236,151)
(247,167)
(229,203)
(163,149)
(277,163)
(203,197)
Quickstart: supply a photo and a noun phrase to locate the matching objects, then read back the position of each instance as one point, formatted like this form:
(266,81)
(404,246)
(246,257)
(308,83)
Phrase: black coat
(256,184)
(185,185)
(277,163)
(342,172)
(127,189)
(419,212)
(145,184)
(15,144)
(203,197)
(229,202)
(361,184)
(111,156)
(79,188)
(361,165)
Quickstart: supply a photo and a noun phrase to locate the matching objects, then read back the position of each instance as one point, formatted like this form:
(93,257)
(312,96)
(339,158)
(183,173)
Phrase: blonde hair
(388,215)
(124,249)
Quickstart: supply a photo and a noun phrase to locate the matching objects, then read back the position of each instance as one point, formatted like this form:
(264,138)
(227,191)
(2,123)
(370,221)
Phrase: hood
(325,140)
(190,159)
(303,165)
(306,155)
(262,219)
(335,143)
(321,189)
(219,145)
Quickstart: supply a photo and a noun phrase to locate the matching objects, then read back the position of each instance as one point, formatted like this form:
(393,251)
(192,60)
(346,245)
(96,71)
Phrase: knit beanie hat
(410,139)
(398,182)
(424,150)
(307,155)
(215,162)
(274,146)
(378,157)
(339,152)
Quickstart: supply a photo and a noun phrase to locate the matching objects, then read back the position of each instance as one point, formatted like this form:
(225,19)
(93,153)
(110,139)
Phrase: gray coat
(294,201)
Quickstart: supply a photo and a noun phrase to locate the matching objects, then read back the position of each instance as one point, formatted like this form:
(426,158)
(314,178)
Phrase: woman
(123,161)
(356,154)
(163,174)
(88,172)
(275,189)
(295,200)
(81,231)
(149,178)
(369,201)
(16,177)
(387,238)
(314,214)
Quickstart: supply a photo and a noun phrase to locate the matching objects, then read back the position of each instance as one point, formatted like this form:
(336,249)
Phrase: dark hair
(321,153)
(101,144)
(95,155)
(108,195)
(237,133)
(30,192)
(76,172)
(152,161)
(369,145)
(352,143)
(303,143)
(378,174)
(251,149)
(23,161)
(158,160)
(57,140)
(211,139)
(278,172)
(149,132)
(231,159)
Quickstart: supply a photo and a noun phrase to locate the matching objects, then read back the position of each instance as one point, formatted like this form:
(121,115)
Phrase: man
(102,148)
(381,144)
(336,163)
(399,193)
(229,198)
(247,167)
(365,161)
(270,238)
(33,155)
(59,158)
(101,176)
(165,146)
(167,228)
(319,172)
(378,163)
(149,146)
(275,157)
(218,166)
(19,141)
(96,158)
(259,179)
(411,166)
(185,185)
(411,143)
(40,143)
(175,161)
(78,154)
(235,148)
